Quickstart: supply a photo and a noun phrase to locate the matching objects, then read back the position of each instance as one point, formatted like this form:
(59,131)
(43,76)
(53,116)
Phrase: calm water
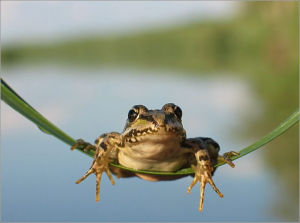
(39,172)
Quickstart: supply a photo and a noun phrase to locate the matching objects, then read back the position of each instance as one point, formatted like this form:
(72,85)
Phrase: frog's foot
(226,158)
(85,146)
(99,166)
(203,171)
(105,145)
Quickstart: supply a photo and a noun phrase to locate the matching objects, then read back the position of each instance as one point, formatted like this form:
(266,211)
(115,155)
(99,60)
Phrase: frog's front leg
(203,173)
(107,146)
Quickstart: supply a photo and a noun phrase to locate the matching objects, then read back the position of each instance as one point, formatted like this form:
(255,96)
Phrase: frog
(155,140)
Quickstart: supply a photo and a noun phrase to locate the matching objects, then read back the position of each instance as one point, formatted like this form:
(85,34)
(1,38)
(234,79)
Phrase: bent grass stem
(10,97)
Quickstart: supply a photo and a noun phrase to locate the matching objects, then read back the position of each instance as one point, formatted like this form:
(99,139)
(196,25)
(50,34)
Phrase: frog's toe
(211,182)
(195,180)
(203,173)
(98,180)
(98,168)
(89,172)
(108,173)
(203,177)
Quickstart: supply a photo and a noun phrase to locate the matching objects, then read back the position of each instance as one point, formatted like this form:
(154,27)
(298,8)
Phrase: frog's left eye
(132,115)
(172,108)
(178,112)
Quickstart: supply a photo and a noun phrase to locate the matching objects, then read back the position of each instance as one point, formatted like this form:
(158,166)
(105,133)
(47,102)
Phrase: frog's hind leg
(203,174)
(105,145)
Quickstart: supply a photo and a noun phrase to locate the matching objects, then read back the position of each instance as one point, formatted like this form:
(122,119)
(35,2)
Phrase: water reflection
(38,171)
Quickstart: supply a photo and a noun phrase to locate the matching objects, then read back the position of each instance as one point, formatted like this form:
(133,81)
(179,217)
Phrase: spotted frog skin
(155,140)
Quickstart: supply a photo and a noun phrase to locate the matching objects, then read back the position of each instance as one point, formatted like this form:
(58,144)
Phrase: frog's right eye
(132,115)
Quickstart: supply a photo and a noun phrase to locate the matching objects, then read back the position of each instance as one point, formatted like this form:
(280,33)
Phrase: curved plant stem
(9,96)
(283,127)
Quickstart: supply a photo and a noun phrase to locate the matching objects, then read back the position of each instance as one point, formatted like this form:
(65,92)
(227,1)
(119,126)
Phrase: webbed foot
(105,145)
(203,174)
(226,158)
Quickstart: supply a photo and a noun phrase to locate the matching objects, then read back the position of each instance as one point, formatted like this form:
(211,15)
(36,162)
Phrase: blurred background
(231,66)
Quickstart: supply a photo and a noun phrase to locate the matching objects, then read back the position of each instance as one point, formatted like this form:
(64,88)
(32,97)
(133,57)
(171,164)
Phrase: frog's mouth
(154,132)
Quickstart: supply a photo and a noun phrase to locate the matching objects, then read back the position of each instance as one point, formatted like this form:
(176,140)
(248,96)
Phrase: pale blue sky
(23,21)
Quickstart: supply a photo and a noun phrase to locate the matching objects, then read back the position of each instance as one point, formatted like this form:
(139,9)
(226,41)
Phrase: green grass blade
(9,96)
(283,127)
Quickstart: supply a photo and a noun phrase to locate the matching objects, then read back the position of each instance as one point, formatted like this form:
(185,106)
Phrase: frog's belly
(154,156)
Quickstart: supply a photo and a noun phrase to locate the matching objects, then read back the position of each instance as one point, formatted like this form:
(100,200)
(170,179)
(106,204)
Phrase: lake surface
(38,172)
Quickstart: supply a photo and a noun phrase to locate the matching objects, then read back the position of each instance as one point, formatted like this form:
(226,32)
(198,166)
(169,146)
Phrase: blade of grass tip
(10,97)
(283,127)
(17,95)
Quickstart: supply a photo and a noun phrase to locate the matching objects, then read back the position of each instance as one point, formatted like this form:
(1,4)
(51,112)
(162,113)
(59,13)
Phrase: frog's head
(143,123)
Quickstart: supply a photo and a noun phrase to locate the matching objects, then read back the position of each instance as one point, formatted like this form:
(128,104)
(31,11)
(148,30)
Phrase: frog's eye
(178,111)
(172,108)
(140,109)
(132,115)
